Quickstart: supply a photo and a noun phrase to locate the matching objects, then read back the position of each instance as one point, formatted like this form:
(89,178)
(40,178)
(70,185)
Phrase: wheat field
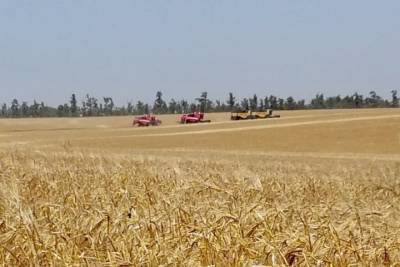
(313,188)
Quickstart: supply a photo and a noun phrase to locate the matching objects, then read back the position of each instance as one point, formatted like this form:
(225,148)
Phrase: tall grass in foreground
(66,209)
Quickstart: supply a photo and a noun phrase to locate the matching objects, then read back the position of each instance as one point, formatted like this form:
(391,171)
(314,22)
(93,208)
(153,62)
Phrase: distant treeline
(92,106)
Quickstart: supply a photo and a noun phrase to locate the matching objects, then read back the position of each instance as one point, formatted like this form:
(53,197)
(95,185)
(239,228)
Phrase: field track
(293,124)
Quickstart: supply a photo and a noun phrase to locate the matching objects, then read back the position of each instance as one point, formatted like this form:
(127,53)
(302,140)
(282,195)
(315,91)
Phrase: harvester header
(249,115)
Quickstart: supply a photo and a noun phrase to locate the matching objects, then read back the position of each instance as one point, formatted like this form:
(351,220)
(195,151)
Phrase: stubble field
(311,188)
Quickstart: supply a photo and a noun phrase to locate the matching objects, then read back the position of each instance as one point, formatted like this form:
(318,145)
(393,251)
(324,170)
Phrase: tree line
(92,106)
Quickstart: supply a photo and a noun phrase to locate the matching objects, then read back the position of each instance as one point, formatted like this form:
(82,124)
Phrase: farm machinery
(249,115)
(146,120)
(194,117)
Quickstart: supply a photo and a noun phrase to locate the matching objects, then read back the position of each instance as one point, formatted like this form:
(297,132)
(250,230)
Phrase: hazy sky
(130,49)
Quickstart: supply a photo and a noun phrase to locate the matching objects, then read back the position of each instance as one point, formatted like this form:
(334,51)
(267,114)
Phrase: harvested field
(311,188)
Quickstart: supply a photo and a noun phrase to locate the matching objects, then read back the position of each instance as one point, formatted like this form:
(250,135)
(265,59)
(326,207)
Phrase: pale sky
(130,49)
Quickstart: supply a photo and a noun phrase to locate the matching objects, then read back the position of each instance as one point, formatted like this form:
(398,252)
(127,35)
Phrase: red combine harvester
(194,117)
(146,120)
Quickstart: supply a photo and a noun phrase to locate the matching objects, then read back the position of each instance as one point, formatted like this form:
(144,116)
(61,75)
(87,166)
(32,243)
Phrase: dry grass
(121,204)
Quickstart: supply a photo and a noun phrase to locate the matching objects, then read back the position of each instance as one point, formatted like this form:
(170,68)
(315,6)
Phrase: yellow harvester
(249,115)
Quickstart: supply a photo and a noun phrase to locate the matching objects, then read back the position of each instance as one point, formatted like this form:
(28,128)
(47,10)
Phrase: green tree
(15,108)
(159,106)
(253,102)
(301,104)
(43,111)
(203,102)
(90,106)
(281,104)
(266,102)
(34,109)
(318,102)
(25,109)
(290,103)
(231,101)
(74,106)
(395,99)
(146,109)
(184,106)
(347,102)
(67,110)
(273,102)
(4,110)
(140,109)
(358,100)
(261,104)
(373,100)
(333,102)
(172,106)
(60,110)
(130,108)
(193,107)
(108,105)
(244,104)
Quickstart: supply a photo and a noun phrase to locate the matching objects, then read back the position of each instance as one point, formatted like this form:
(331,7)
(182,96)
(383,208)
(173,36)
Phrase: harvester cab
(146,120)
(194,117)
